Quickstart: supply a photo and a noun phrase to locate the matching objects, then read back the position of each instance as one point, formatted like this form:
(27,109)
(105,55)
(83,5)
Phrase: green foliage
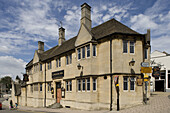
(7,81)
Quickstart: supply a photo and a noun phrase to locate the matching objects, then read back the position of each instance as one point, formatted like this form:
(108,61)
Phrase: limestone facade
(78,72)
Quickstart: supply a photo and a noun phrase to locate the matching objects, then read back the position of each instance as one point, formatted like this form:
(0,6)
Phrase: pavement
(159,103)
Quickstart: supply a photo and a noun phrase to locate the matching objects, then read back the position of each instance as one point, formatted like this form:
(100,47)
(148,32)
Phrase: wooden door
(58,92)
(58,95)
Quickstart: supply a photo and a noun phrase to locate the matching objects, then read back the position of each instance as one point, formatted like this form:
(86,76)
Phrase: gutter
(111,80)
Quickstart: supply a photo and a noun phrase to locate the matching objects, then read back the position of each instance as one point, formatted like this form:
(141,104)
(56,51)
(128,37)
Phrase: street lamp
(132,62)
(79,66)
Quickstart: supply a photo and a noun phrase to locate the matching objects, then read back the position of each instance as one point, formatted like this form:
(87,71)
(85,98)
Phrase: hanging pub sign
(58,74)
(156,71)
(25,77)
(139,81)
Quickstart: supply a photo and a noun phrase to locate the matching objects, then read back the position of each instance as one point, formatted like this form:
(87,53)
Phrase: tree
(6,81)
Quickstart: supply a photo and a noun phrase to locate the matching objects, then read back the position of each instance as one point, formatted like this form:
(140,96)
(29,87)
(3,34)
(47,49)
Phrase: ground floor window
(49,86)
(88,84)
(94,84)
(79,84)
(129,83)
(125,83)
(132,83)
(84,84)
(69,85)
(40,86)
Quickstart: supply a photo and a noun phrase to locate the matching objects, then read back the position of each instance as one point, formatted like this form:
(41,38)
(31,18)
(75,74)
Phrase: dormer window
(88,50)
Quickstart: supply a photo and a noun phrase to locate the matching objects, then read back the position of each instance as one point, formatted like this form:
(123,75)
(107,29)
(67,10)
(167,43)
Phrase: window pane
(70,58)
(56,62)
(146,53)
(88,84)
(83,52)
(88,50)
(125,83)
(131,47)
(84,84)
(132,83)
(124,46)
(40,67)
(70,85)
(59,60)
(79,53)
(67,60)
(79,85)
(40,87)
(66,85)
(94,84)
(94,50)
(168,80)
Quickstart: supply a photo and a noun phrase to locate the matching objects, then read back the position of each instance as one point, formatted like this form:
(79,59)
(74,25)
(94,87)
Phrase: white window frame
(83,84)
(94,50)
(124,83)
(125,42)
(132,45)
(79,53)
(88,82)
(95,84)
(78,83)
(83,52)
(70,85)
(70,58)
(133,82)
(88,50)
(67,85)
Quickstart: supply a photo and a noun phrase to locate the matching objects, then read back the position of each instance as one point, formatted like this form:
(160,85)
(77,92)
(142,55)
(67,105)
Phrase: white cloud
(142,22)
(11,66)
(162,43)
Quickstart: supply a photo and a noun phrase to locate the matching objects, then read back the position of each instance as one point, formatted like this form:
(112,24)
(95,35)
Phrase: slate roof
(100,31)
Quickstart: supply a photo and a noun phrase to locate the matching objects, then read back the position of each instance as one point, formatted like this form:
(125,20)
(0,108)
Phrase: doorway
(159,85)
(58,92)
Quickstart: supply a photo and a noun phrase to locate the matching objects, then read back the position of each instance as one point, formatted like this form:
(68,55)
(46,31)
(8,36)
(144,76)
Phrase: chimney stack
(40,47)
(86,15)
(148,36)
(61,36)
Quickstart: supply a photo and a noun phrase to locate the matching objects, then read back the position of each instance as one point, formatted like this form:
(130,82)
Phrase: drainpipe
(111,80)
(45,87)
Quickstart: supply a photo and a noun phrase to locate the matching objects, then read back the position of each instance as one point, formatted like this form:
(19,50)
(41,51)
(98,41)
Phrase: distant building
(78,72)
(162,60)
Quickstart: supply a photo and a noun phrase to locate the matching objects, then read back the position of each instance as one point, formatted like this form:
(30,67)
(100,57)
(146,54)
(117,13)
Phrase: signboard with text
(58,74)
(146,69)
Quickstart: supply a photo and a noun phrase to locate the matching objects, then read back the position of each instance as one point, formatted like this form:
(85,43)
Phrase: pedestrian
(11,105)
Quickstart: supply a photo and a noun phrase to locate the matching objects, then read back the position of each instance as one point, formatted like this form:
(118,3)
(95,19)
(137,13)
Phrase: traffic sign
(145,64)
(146,69)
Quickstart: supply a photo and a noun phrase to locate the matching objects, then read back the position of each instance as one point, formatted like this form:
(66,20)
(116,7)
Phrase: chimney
(40,47)
(148,36)
(61,36)
(86,15)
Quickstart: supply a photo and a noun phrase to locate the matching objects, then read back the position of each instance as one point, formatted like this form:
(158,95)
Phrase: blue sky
(24,22)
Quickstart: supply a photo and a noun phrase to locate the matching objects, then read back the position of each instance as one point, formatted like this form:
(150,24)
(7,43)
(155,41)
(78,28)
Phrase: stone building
(79,72)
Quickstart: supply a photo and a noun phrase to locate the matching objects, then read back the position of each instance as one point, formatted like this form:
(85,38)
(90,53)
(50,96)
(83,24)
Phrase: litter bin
(0,106)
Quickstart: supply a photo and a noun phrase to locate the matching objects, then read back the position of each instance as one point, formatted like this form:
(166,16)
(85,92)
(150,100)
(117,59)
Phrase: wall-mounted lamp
(79,66)
(132,62)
